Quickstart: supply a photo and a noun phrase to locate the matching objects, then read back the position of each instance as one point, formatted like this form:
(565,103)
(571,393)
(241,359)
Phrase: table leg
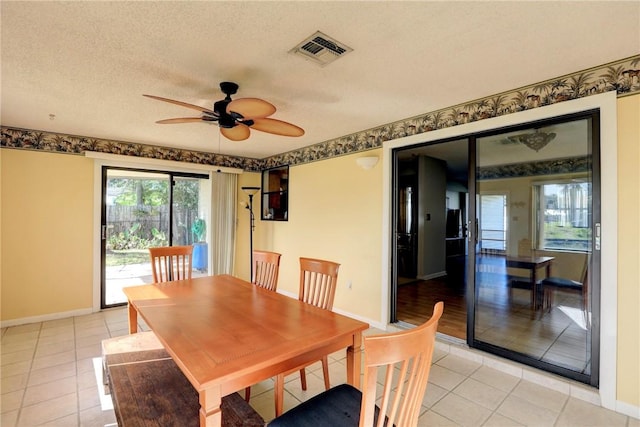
(133,319)
(541,291)
(279,385)
(354,355)
(210,412)
(534,287)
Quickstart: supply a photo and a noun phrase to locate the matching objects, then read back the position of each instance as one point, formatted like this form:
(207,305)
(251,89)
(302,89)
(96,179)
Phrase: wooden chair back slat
(318,281)
(406,356)
(171,263)
(265,269)
(393,398)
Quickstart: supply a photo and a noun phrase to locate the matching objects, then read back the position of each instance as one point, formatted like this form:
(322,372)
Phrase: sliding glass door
(143,209)
(534,246)
(503,226)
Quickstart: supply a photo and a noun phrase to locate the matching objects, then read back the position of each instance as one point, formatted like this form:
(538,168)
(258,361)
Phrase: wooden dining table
(226,334)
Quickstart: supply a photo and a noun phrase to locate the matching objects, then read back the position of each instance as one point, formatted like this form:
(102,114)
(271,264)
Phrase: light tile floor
(48,379)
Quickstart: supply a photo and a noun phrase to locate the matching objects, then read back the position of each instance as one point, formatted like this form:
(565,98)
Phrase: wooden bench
(148,389)
(142,341)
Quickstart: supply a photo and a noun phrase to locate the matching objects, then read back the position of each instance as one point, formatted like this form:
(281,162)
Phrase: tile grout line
(26,386)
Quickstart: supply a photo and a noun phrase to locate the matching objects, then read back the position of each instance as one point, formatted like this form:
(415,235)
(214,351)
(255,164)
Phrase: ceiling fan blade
(277,127)
(239,132)
(181,120)
(183,104)
(251,108)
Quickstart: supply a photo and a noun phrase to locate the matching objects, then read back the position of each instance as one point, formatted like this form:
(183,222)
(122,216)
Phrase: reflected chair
(404,360)
(318,279)
(551,285)
(265,275)
(265,269)
(171,263)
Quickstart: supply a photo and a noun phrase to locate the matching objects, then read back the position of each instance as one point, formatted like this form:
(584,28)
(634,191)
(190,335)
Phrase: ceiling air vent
(321,49)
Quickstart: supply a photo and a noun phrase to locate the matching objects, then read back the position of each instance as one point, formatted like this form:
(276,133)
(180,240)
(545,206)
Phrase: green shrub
(129,239)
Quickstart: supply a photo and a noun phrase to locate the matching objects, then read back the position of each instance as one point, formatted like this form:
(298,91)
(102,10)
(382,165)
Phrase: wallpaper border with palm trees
(622,76)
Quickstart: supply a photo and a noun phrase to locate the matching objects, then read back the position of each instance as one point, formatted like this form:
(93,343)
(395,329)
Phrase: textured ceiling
(88,63)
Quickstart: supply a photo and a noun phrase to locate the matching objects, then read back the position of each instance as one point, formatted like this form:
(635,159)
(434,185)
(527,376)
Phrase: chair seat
(560,283)
(338,406)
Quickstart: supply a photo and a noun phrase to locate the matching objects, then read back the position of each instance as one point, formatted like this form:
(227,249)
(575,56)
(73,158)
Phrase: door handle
(473,236)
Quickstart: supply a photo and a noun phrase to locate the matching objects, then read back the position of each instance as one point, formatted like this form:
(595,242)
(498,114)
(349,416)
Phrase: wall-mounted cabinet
(275,194)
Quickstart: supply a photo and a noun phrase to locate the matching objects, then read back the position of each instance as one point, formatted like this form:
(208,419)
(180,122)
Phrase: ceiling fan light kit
(236,117)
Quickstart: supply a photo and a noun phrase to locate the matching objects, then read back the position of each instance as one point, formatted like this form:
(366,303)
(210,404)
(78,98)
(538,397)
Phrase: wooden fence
(124,219)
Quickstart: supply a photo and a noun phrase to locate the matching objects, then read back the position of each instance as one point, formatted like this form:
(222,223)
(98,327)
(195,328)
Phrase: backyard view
(144,210)
(567,216)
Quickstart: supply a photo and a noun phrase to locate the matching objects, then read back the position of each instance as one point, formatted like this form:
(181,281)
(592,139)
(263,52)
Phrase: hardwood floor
(504,318)
(416,301)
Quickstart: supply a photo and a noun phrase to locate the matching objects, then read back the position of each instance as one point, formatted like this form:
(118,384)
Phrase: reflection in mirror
(275,194)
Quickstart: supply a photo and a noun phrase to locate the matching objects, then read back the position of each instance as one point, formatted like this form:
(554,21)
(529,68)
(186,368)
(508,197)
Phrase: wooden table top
(225,332)
(515,261)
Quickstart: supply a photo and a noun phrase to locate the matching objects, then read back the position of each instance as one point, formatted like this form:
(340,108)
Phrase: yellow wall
(629,250)
(47,217)
(334,214)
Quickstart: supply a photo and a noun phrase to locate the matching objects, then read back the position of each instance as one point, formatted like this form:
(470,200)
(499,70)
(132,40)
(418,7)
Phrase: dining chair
(404,361)
(318,279)
(171,263)
(550,285)
(265,269)
(265,275)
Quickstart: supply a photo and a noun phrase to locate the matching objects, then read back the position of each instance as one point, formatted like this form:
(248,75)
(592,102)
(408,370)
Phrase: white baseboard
(45,317)
(628,409)
(372,323)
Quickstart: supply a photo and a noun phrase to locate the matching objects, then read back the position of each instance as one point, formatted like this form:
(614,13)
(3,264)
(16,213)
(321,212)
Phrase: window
(563,211)
(493,223)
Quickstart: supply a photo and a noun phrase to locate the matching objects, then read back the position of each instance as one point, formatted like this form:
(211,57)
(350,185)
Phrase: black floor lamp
(251,191)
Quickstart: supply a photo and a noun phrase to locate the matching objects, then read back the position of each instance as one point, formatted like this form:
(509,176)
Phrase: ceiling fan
(236,117)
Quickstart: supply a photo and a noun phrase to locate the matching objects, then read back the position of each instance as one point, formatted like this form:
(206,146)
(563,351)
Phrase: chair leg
(325,372)
(550,300)
(279,387)
(303,379)
(247,394)
(546,300)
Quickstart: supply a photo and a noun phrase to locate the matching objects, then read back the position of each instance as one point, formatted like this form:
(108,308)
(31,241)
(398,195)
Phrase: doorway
(523,212)
(142,209)
(431,233)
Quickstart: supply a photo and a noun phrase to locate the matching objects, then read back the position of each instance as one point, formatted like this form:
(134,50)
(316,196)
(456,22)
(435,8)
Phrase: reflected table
(530,263)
